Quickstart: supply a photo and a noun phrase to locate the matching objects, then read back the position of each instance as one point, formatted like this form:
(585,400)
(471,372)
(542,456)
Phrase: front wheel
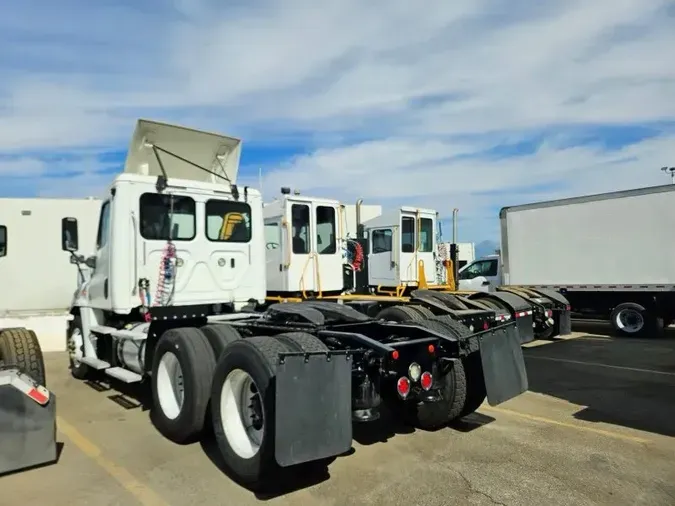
(75,345)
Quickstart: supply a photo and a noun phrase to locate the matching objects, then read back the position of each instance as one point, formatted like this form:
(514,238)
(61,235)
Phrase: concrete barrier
(50,329)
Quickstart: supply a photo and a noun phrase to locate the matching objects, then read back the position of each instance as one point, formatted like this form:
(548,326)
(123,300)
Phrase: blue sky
(475,104)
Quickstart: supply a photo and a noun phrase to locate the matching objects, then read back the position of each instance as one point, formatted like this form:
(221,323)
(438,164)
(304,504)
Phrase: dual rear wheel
(237,390)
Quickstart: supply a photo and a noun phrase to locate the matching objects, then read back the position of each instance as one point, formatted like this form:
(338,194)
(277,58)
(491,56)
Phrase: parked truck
(177,295)
(609,254)
(389,271)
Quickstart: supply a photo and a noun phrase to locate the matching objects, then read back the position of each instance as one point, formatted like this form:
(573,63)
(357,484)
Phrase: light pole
(670,170)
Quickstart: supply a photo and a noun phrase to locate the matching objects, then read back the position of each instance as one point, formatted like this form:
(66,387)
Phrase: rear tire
(475,384)
(248,454)
(219,336)
(453,381)
(182,370)
(423,311)
(20,347)
(301,341)
(473,369)
(399,314)
(434,415)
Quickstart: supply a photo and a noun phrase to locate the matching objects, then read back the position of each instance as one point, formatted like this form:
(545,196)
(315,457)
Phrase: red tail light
(486,325)
(403,387)
(426,380)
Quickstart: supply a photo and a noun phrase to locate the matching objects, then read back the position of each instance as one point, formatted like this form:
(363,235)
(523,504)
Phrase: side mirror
(69,238)
(3,241)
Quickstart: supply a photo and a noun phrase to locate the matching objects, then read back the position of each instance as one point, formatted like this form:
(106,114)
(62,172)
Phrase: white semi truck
(178,296)
(609,254)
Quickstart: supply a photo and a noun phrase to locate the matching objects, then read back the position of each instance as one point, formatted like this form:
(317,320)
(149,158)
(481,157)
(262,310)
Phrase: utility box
(616,240)
(27,422)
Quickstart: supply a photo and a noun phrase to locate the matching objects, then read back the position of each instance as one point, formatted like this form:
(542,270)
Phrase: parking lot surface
(597,426)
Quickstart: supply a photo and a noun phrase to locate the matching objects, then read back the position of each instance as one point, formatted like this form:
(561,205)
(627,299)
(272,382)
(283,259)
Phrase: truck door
(382,262)
(301,273)
(276,255)
(408,266)
(100,283)
(329,259)
(426,246)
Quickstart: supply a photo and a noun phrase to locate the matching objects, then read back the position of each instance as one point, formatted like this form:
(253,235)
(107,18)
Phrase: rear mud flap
(503,365)
(525,329)
(27,423)
(313,407)
(565,322)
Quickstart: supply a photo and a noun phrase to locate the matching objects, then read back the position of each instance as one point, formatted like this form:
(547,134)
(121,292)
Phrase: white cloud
(430,86)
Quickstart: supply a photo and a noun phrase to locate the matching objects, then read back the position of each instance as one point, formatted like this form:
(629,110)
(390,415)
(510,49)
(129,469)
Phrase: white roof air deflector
(162,149)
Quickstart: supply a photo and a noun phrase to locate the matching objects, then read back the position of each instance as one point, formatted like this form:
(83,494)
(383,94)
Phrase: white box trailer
(610,254)
(37,280)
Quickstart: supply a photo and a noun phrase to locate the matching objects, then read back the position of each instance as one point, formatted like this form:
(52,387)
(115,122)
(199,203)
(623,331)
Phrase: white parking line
(596,364)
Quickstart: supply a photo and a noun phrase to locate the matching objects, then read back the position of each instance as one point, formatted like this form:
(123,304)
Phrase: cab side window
(103,225)
(228,221)
(326,243)
(300,229)
(381,240)
(426,243)
(407,235)
(167,217)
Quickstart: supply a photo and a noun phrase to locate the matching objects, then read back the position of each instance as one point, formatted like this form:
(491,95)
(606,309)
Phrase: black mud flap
(27,422)
(565,322)
(503,365)
(525,328)
(313,407)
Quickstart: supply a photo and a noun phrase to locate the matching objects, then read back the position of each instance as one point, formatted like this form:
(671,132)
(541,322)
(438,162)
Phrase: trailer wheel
(399,314)
(182,369)
(75,345)
(301,341)
(219,336)
(20,347)
(631,319)
(243,408)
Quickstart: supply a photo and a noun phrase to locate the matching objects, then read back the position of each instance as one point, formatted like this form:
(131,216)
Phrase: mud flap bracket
(503,364)
(313,406)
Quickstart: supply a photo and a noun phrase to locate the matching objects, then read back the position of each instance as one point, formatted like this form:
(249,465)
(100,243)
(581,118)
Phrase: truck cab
(401,243)
(304,245)
(173,231)
(482,275)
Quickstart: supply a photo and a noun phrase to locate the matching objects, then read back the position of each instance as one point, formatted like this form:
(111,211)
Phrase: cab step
(124,375)
(95,363)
